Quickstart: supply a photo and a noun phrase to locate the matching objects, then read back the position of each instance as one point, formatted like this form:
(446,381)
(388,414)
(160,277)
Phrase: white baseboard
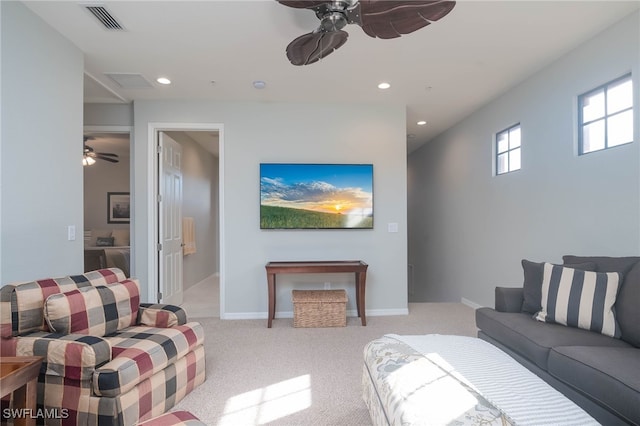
(470,304)
(289,314)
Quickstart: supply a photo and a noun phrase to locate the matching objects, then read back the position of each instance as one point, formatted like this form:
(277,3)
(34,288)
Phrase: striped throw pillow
(96,311)
(581,299)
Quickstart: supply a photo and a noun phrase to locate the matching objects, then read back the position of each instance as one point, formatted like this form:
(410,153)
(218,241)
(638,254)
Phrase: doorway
(106,198)
(197,271)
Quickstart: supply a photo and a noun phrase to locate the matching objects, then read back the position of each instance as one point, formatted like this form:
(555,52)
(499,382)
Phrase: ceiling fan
(89,155)
(378,18)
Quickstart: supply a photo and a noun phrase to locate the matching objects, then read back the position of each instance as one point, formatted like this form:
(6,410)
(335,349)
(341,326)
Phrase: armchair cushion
(22,306)
(96,311)
(73,356)
(161,315)
(140,352)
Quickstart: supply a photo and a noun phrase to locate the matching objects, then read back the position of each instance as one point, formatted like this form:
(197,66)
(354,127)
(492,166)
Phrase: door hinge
(159,150)
(159,297)
(159,246)
(159,198)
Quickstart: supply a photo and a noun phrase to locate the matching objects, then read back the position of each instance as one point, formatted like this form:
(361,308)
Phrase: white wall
(274,132)
(469,230)
(41,149)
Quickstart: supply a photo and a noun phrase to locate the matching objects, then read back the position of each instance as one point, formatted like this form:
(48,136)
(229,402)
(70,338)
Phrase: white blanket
(509,386)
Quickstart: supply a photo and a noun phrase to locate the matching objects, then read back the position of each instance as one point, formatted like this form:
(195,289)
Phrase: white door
(170,220)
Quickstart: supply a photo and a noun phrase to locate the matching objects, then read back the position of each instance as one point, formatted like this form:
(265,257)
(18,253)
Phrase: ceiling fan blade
(302,4)
(393,18)
(102,157)
(109,154)
(312,47)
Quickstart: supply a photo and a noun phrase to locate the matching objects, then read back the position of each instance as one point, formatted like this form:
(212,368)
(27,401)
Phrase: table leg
(360,296)
(25,397)
(271,281)
(358,293)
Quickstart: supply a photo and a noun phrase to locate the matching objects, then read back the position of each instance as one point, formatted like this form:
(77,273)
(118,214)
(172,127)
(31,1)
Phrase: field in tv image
(316,196)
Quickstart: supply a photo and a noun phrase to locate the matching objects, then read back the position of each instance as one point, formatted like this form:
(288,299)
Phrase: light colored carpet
(202,300)
(301,376)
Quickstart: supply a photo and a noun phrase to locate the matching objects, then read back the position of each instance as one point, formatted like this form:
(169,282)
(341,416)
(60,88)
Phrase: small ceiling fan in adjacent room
(378,18)
(89,156)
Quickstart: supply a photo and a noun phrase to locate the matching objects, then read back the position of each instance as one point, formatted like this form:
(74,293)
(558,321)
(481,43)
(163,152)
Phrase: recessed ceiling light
(259,84)
(163,80)
(421,123)
(384,85)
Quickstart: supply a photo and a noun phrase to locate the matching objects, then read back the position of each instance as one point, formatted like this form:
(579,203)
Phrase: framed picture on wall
(118,207)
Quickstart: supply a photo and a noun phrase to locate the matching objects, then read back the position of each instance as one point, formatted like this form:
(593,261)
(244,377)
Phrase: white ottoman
(436,380)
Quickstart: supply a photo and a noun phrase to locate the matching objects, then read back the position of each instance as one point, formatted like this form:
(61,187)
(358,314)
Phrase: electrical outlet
(327,286)
(71,232)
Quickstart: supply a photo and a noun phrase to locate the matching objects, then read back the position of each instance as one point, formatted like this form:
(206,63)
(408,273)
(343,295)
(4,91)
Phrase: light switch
(392,227)
(71,232)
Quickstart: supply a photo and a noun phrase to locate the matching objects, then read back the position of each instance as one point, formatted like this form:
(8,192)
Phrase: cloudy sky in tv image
(330,188)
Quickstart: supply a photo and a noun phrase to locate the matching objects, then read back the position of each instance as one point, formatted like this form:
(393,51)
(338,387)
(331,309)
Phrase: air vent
(105,17)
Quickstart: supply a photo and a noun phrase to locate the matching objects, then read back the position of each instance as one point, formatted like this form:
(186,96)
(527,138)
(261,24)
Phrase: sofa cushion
(608,375)
(532,285)
(139,352)
(533,339)
(580,299)
(96,311)
(120,237)
(627,310)
(604,263)
(26,301)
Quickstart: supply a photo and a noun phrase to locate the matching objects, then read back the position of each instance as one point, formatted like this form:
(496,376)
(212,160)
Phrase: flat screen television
(316,196)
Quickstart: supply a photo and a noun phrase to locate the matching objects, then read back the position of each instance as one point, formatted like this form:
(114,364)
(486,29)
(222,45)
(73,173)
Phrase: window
(605,116)
(508,150)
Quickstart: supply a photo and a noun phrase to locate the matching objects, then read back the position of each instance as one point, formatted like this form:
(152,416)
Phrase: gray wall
(41,149)
(199,201)
(99,179)
(468,230)
(277,132)
(108,114)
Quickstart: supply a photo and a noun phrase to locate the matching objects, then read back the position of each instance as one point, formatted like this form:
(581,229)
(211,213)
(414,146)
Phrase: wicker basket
(319,308)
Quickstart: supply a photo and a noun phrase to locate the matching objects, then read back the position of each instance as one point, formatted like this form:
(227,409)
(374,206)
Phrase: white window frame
(497,152)
(605,117)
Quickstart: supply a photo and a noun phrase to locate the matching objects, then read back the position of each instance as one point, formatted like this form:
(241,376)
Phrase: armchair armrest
(509,299)
(73,356)
(161,315)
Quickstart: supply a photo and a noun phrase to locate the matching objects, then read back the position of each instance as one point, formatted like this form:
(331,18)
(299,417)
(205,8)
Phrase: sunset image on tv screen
(316,196)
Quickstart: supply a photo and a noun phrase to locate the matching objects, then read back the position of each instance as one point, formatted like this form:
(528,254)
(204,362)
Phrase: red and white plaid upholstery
(159,315)
(119,378)
(96,311)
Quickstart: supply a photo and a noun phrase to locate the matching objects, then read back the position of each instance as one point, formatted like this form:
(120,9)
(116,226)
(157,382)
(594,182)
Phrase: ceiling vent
(105,17)
(129,81)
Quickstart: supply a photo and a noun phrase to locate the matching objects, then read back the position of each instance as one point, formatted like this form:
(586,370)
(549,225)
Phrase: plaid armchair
(108,359)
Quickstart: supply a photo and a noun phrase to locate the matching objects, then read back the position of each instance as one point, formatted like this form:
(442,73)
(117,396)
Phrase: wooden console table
(318,267)
(19,375)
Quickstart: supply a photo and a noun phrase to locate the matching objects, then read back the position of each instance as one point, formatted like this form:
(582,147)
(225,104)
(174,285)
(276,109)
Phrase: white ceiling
(215,49)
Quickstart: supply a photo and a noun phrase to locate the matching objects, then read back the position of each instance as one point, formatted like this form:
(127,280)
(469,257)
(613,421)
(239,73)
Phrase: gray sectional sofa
(599,373)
